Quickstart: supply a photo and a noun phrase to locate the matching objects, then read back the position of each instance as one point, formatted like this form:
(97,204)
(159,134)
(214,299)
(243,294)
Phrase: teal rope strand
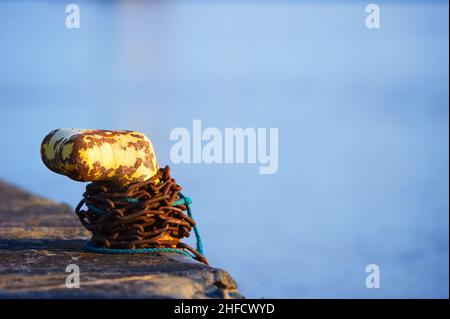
(185,200)
(100,250)
(100,211)
(96,210)
(130,200)
(198,238)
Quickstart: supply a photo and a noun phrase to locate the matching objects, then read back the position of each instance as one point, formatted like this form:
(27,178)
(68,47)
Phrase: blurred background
(362,113)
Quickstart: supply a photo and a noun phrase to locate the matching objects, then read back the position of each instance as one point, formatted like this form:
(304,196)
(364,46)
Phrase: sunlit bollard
(131,205)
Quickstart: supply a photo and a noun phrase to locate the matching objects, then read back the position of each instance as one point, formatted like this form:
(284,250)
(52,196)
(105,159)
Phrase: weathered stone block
(39,238)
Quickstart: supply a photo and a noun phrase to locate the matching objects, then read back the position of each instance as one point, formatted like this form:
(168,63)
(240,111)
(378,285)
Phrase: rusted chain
(142,215)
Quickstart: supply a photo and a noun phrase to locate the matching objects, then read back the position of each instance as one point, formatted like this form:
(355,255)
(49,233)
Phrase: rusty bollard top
(117,157)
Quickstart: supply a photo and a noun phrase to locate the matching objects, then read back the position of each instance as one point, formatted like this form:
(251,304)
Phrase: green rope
(188,201)
(184,200)
(96,210)
(100,250)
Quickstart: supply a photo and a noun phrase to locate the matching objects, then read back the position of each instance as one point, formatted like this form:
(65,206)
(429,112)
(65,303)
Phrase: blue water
(362,117)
